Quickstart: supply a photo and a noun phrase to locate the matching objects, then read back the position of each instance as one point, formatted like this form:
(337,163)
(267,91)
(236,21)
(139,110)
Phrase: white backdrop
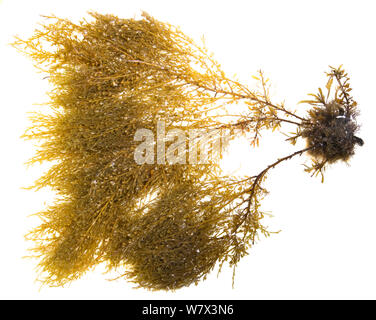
(327,245)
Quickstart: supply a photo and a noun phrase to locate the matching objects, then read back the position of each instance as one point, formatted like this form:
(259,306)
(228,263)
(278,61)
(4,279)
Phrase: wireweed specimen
(167,224)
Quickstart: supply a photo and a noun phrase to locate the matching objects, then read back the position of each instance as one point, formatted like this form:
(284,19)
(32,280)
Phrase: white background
(326,248)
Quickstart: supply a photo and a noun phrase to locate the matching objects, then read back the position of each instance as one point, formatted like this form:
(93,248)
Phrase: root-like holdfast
(331,133)
(167,225)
